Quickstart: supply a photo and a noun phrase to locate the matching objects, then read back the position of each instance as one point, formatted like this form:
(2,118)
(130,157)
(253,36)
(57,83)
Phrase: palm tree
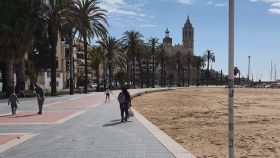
(131,39)
(199,63)
(69,30)
(153,41)
(237,71)
(178,61)
(97,57)
(18,21)
(142,57)
(112,46)
(91,21)
(209,57)
(57,11)
(189,63)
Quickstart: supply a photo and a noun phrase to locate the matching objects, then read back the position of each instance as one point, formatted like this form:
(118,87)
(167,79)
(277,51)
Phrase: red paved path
(33,117)
(6,138)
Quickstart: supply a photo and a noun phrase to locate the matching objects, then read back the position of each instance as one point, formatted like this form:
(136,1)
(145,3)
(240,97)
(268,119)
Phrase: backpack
(121,98)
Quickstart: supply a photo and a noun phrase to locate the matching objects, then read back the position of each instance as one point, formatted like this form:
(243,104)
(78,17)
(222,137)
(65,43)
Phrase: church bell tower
(188,36)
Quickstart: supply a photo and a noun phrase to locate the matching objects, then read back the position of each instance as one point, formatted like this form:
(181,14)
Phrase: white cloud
(122,7)
(274,11)
(186,1)
(221,4)
(114,1)
(274,3)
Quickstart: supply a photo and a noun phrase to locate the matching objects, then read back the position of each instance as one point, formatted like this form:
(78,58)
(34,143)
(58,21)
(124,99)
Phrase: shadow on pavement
(17,116)
(111,124)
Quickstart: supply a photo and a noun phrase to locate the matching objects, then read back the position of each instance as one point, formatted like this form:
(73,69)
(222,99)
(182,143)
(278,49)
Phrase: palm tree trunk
(53,42)
(105,73)
(178,75)
(197,80)
(239,78)
(97,79)
(86,66)
(164,76)
(189,75)
(148,74)
(221,77)
(128,72)
(4,77)
(71,64)
(134,73)
(10,77)
(141,75)
(153,79)
(110,72)
(20,75)
(207,73)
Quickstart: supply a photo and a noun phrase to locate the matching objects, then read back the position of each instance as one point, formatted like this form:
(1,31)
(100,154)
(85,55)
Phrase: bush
(2,95)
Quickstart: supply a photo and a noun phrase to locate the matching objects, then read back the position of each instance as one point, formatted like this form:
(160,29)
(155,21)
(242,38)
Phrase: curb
(172,146)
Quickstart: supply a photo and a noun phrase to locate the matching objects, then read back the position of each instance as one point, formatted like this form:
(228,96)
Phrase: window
(67,53)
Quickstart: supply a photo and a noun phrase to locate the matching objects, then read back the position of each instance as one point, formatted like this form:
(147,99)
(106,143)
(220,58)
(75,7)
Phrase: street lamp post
(231,81)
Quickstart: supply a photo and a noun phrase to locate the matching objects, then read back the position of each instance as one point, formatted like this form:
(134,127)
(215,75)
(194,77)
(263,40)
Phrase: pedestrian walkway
(81,126)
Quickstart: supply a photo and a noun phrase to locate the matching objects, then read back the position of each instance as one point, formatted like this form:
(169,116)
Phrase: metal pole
(249,68)
(231,81)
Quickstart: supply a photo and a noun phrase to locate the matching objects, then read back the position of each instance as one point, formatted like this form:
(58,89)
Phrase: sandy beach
(197,119)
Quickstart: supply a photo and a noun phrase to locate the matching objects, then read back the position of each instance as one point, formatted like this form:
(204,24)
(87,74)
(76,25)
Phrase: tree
(189,63)
(56,13)
(178,61)
(112,47)
(18,21)
(91,22)
(199,63)
(153,41)
(121,77)
(236,71)
(161,60)
(209,57)
(97,57)
(131,39)
(69,30)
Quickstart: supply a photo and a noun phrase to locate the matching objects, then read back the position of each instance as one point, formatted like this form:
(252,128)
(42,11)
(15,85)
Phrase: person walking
(107,93)
(121,99)
(14,101)
(40,97)
(127,101)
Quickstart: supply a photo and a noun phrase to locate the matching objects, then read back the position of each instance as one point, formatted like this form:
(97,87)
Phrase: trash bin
(81,90)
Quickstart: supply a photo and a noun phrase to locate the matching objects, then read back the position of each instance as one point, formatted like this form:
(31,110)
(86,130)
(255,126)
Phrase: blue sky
(257,28)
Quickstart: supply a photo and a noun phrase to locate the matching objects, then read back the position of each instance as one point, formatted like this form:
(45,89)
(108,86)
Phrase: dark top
(39,91)
(13,99)
(127,95)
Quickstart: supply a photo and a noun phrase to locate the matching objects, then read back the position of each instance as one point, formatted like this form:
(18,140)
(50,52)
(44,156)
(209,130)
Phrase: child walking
(107,92)
(14,101)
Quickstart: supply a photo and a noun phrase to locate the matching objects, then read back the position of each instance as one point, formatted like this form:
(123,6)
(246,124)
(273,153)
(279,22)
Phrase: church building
(187,40)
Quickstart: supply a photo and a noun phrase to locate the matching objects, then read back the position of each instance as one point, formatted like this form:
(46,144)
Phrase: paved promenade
(81,126)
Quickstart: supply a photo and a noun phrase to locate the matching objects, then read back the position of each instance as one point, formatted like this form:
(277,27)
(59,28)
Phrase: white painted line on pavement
(69,117)
(12,143)
(51,104)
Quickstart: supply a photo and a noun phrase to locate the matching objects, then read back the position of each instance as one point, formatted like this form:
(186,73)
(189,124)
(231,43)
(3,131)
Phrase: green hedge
(2,94)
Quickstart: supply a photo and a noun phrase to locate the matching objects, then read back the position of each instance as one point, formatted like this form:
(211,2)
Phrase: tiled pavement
(80,126)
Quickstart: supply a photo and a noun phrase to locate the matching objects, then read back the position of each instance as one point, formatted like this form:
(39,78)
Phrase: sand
(197,119)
